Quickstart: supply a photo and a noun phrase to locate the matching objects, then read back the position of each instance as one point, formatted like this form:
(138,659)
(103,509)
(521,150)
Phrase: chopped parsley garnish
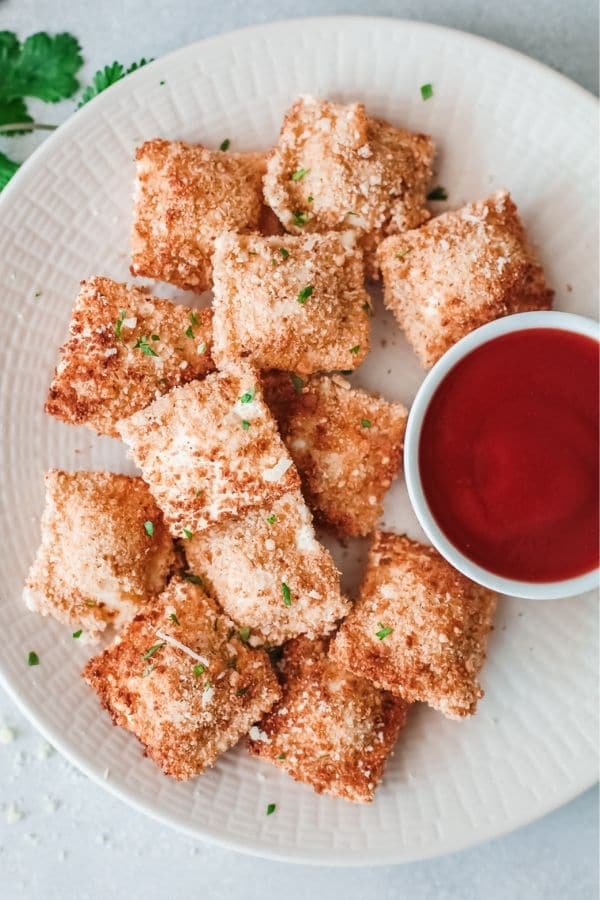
(149,528)
(193,318)
(286,594)
(188,535)
(281,756)
(193,579)
(199,670)
(310,198)
(241,691)
(271,807)
(365,423)
(90,602)
(284,253)
(426,91)
(383,632)
(248,397)
(299,218)
(305,293)
(143,345)
(438,193)
(188,332)
(207,684)
(174,619)
(225,144)
(402,253)
(148,669)
(245,424)
(297,382)
(355,349)
(244,634)
(119,322)
(33,659)
(78,633)
(155,337)
(299,174)
(202,347)
(272,519)
(152,650)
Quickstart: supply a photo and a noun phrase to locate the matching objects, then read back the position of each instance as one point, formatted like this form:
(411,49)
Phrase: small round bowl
(528,589)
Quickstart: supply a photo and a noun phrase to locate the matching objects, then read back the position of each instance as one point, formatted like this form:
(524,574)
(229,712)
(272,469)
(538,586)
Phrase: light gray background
(71,840)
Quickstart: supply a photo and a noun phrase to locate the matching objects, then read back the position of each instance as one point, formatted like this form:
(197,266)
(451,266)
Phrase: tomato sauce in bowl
(508,455)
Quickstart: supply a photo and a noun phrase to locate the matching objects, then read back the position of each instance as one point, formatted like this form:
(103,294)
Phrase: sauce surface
(508,455)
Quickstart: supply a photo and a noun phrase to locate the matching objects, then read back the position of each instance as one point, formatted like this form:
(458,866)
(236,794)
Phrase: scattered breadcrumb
(105,551)
(347,446)
(330,729)
(269,573)
(459,271)
(294,303)
(185,196)
(180,678)
(419,628)
(125,348)
(336,169)
(210,450)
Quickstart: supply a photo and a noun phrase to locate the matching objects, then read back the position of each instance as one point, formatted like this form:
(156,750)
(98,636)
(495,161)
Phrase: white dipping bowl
(534,590)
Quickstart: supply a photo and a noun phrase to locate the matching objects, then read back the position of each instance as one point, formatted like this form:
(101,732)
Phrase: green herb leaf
(402,253)
(152,650)
(155,337)
(7,169)
(42,66)
(199,670)
(77,634)
(245,424)
(143,345)
(355,349)
(148,669)
(297,382)
(119,322)
(299,218)
(383,632)
(202,347)
(305,293)
(310,198)
(366,307)
(248,397)
(193,579)
(106,77)
(241,691)
(174,619)
(284,253)
(12,112)
(33,659)
(271,808)
(244,634)
(188,332)
(299,174)
(438,193)
(281,756)
(286,594)
(426,91)
(225,144)
(365,423)
(149,528)
(194,319)
(272,519)
(188,535)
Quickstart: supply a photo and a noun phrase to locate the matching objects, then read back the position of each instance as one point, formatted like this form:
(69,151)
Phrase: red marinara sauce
(508,455)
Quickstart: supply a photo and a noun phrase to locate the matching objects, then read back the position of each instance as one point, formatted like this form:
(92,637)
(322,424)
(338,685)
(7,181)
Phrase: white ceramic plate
(499,120)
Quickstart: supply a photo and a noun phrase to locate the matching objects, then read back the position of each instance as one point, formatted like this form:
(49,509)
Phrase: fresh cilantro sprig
(106,77)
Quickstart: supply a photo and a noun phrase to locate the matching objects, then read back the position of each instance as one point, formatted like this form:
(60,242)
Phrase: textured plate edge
(255,847)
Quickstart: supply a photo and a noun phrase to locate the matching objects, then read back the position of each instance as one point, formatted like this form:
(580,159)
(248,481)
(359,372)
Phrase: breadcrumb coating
(210,450)
(269,572)
(105,551)
(347,447)
(181,680)
(295,303)
(419,628)
(336,169)
(459,271)
(330,729)
(185,196)
(125,348)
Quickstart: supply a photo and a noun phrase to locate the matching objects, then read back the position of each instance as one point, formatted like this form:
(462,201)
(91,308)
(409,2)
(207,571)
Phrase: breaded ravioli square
(331,729)
(105,551)
(347,447)
(335,169)
(461,270)
(269,572)
(125,348)
(210,450)
(295,303)
(419,628)
(185,196)
(183,682)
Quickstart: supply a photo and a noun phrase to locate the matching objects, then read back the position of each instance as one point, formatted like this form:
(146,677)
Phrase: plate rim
(256,846)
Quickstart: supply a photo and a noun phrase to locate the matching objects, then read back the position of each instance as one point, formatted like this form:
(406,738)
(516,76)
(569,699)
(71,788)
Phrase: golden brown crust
(346,444)
(360,173)
(210,450)
(439,623)
(184,711)
(112,366)
(330,729)
(97,564)
(185,196)
(295,303)
(269,573)
(459,271)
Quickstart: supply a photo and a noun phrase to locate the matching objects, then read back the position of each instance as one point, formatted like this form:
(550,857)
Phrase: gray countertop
(62,837)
